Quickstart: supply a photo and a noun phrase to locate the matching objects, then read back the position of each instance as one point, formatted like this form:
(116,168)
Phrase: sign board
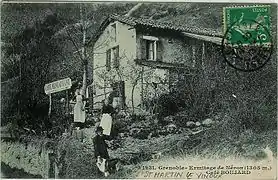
(57,86)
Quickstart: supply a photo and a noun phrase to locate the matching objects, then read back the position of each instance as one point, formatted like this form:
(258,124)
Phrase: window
(151,48)
(115,57)
(117,96)
(108,60)
(112,55)
(114,32)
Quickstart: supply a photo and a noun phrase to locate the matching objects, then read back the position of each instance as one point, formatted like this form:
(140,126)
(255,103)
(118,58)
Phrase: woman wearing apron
(79,111)
(106,120)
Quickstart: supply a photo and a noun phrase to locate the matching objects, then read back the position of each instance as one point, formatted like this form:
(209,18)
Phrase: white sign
(57,86)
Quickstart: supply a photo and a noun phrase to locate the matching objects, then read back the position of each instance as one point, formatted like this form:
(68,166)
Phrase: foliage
(36,50)
(33,50)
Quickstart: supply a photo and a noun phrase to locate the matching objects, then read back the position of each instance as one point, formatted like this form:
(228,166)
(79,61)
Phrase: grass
(219,146)
(222,154)
(223,144)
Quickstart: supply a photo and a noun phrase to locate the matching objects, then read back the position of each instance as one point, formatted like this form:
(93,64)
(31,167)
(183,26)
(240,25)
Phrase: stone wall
(33,158)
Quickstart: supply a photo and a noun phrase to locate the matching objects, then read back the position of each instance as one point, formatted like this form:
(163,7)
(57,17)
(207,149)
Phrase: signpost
(57,86)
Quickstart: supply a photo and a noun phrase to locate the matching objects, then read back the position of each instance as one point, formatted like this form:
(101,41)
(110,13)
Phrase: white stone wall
(126,39)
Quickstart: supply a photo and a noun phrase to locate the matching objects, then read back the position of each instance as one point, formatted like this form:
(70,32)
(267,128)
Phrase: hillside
(16,17)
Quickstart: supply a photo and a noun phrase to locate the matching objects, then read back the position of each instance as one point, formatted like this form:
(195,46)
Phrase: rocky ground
(146,142)
(139,144)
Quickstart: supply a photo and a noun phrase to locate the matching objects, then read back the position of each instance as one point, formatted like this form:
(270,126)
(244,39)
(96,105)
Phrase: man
(101,152)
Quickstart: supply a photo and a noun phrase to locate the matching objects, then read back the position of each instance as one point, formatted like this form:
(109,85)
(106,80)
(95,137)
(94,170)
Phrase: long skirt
(106,124)
(79,115)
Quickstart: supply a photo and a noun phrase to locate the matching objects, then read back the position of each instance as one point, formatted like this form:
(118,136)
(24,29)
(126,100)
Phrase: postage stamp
(247,25)
(247,43)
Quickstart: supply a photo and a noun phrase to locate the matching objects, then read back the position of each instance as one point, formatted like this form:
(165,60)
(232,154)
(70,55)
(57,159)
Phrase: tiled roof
(208,34)
(165,25)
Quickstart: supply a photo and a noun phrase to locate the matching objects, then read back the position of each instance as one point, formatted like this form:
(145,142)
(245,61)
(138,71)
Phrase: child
(101,152)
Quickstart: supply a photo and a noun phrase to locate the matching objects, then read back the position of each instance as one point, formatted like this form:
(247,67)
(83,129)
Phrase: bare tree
(132,10)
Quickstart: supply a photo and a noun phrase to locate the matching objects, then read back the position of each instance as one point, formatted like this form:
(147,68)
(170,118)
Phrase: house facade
(136,60)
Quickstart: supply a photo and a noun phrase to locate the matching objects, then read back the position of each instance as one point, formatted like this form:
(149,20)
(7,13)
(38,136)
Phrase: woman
(106,120)
(79,110)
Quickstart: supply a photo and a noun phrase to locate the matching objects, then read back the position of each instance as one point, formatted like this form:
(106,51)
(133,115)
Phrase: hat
(99,128)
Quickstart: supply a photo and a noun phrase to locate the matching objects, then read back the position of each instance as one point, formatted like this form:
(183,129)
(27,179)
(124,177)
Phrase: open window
(151,48)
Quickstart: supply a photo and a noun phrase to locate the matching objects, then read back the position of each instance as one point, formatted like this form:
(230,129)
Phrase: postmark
(247,43)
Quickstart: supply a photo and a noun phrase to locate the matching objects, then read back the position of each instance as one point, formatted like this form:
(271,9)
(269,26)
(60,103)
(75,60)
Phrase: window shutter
(159,50)
(108,59)
(143,44)
(117,58)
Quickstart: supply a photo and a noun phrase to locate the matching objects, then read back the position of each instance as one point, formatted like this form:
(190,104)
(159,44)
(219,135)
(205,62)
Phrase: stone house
(136,59)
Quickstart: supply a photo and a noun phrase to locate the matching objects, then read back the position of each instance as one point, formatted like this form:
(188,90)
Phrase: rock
(169,119)
(171,128)
(190,124)
(162,132)
(217,117)
(150,135)
(122,135)
(198,124)
(207,122)
(142,135)
(180,144)
(156,156)
(134,131)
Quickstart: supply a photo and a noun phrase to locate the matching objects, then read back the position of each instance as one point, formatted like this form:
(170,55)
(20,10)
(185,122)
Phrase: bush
(190,107)
(138,117)
(265,118)
(166,104)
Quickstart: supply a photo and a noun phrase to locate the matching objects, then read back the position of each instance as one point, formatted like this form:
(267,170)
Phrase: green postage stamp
(247,25)
(247,43)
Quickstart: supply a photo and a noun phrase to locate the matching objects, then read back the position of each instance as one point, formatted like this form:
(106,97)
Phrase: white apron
(106,124)
(79,115)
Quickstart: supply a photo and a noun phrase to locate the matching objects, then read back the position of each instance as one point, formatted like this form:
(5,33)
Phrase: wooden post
(68,122)
(142,87)
(51,165)
(67,101)
(50,103)
(203,56)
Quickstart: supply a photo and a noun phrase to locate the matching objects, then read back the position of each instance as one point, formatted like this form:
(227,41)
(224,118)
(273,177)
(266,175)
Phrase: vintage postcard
(139,90)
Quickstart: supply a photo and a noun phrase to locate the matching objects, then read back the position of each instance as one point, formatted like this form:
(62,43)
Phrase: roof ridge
(166,25)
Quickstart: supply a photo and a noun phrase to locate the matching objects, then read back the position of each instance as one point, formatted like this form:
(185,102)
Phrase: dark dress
(100,146)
